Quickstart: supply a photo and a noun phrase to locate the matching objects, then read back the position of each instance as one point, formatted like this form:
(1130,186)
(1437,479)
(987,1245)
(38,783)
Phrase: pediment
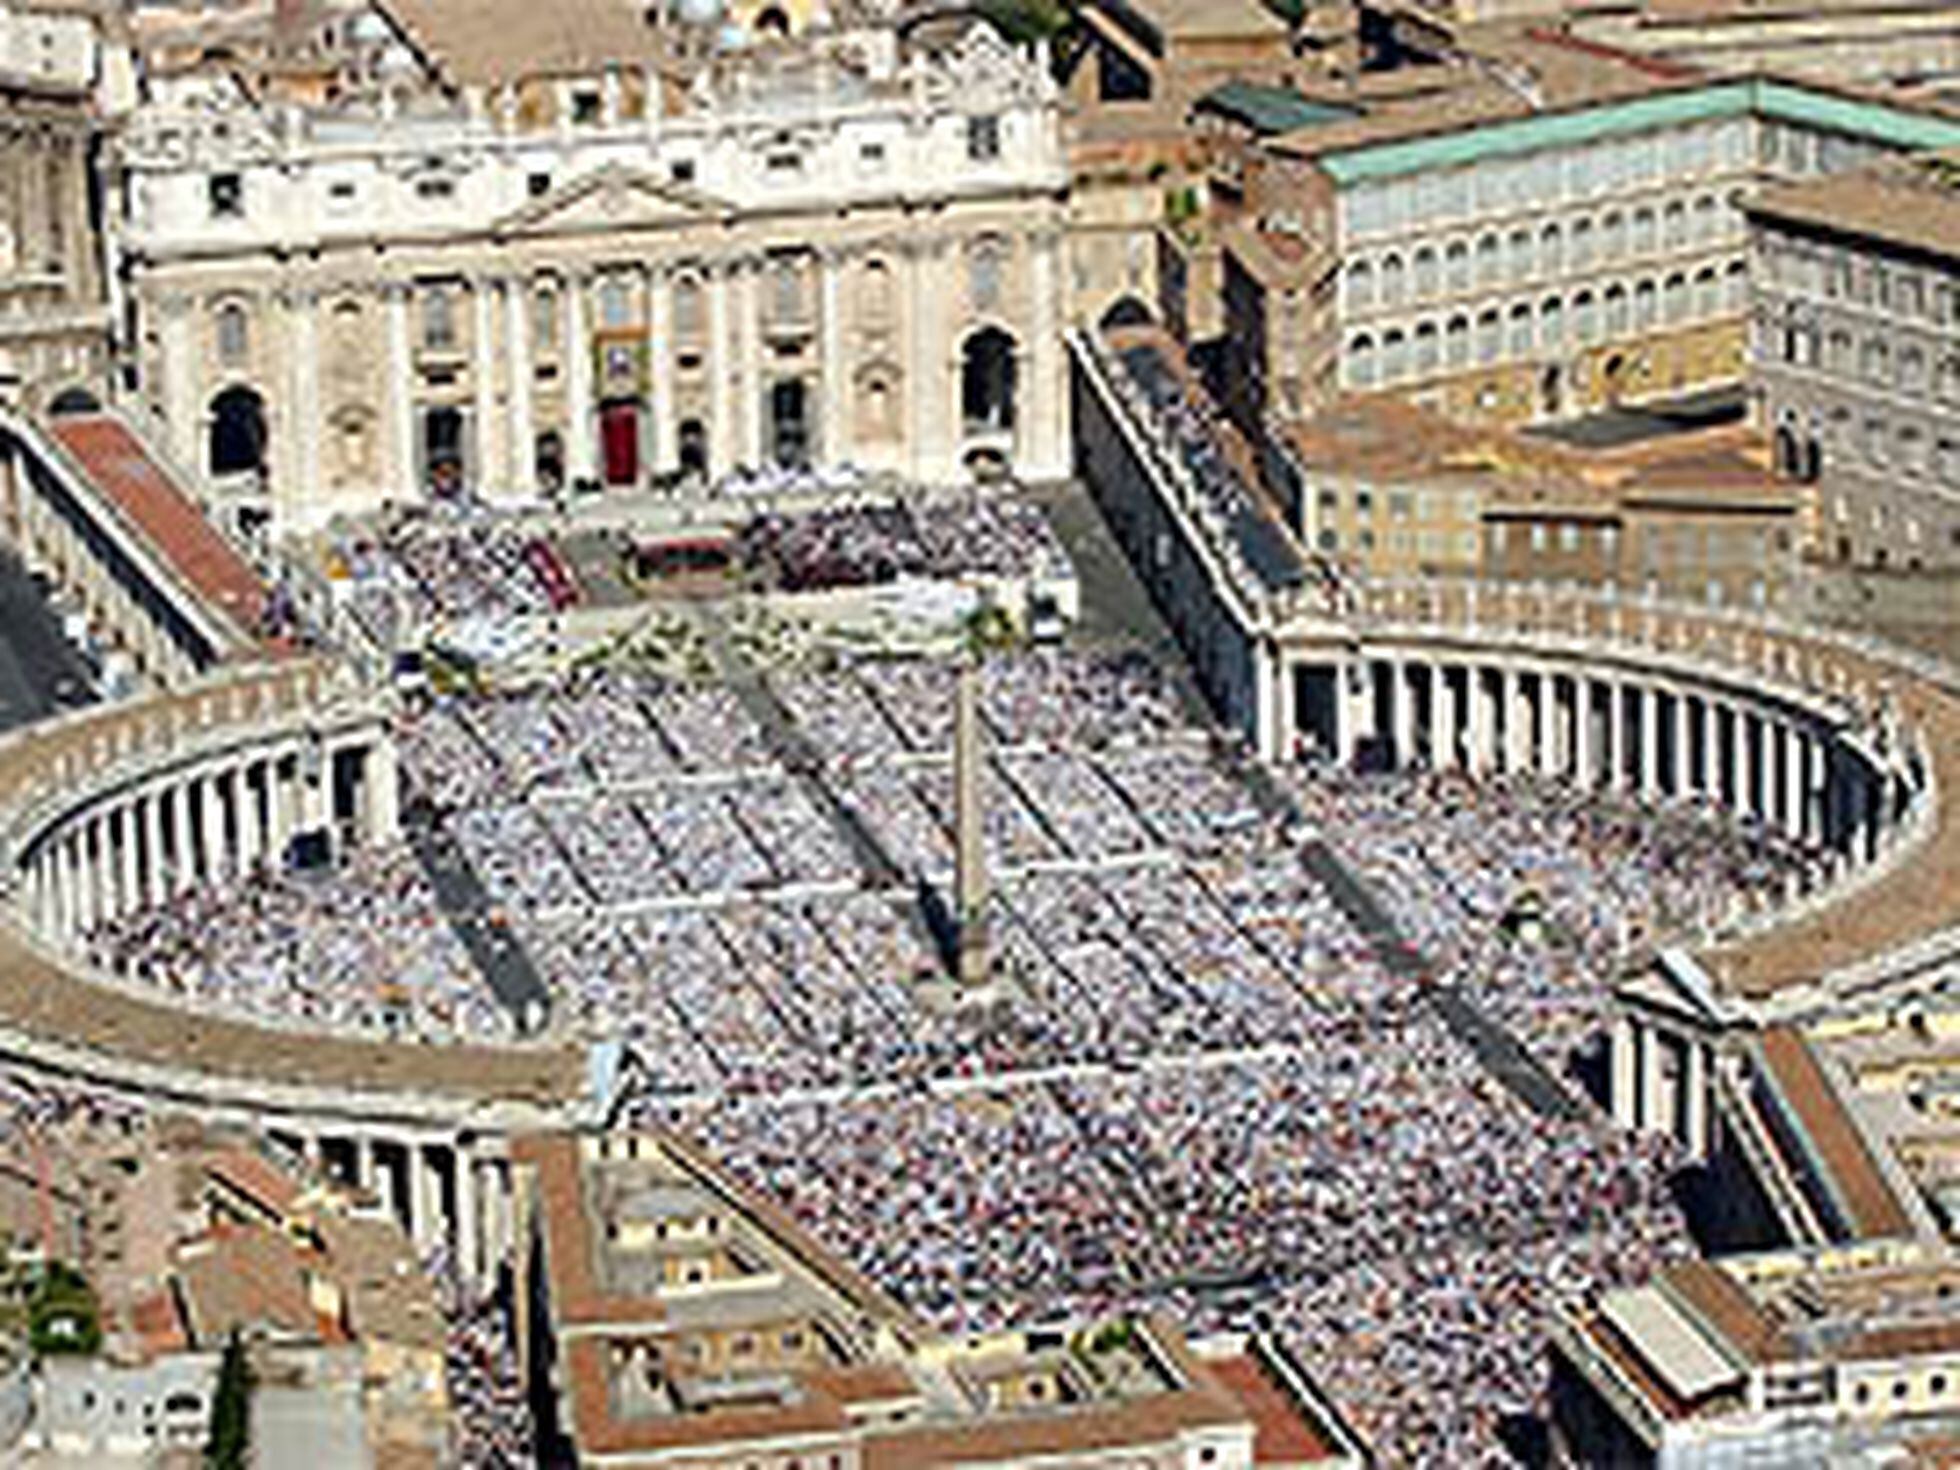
(613,198)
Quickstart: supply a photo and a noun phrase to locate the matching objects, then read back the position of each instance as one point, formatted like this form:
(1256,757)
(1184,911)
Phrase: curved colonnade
(110,809)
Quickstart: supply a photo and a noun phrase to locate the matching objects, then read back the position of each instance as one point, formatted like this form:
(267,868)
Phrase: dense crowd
(490,1415)
(872,543)
(1197,1088)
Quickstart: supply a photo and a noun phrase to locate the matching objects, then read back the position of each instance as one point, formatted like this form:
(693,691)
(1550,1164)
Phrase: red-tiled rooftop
(122,469)
(1282,1433)
(1868,1200)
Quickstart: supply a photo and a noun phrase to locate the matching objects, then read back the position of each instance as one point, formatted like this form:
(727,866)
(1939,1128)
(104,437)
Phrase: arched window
(615,304)
(1646,306)
(688,310)
(1360,285)
(237,432)
(544,321)
(1518,263)
(1643,238)
(1551,324)
(1708,292)
(438,318)
(1456,267)
(1520,338)
(1489,260)
(1581,253)
(1674,230)
(234,335)
(1428,349)
(1456,342)
(1674,297)
(1361,361)
(1585,317)
(786,287)
(1551,250)
(1425,274)
(1395,356)
(987,379)
(1490,335)
(1392,283)
(983,265)
(1735,286)
(875,293)
(1616,311)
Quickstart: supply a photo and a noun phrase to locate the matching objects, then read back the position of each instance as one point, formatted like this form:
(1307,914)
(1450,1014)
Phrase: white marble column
(836,389)
(723,438)
(1650,739)
(130,896)
(485,471)
(381,778)
(156,881)
(1739,761)
(1684,744)
(1585,766)
(183,395)
(1789,742)
(748,361)
(1041,408)
(402,478)
(217,847)
(665,450)
(1402,713)
(519,435)
(1442,719)
(1694,1099)
(1347,717)
(1653,1107)
(181,796)
(468,1226)
(1483,731)
(581,427)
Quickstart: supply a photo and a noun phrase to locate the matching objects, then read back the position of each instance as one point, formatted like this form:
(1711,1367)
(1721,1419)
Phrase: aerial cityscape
(1089,734)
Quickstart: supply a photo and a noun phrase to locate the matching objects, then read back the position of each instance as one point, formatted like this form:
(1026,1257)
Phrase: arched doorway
(548,461)
(1551,392)
(1126,311)
(693,447)
(987,381)
(1787,462)
(74,400)
(619,441)
(789,423)
(237,435)
(442,450)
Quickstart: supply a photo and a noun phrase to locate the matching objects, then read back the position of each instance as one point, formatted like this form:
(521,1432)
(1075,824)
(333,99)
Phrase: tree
(230,1442)
(61,1314)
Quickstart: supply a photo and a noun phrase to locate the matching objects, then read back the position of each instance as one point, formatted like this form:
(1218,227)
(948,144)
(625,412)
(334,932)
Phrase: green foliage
(62,1315)
(230,1443)
(1025,21)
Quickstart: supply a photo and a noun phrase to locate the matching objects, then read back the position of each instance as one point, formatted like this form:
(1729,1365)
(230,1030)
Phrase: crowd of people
(1196,1088)
(874,542)
(488,1408)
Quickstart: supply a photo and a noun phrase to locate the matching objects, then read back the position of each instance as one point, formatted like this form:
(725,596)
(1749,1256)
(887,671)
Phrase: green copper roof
(1269,110)
(1780,100)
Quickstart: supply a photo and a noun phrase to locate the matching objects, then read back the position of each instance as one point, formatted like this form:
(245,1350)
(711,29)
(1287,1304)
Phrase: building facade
(54,316)
(476,273)
(1857,293)
(1507,264)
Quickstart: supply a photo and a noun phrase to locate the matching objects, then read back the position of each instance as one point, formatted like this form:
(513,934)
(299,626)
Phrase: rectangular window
(585,108)
(537,185)
(435,188)
(983,138)
(681,170)
(227,196)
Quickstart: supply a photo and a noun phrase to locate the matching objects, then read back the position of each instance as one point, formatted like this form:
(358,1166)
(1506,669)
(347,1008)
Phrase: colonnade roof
(1913,898)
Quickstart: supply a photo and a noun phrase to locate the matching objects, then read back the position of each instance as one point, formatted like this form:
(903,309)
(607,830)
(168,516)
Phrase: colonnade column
(580,425)
(664,455)
(1684,744)
(519,471)
(401,397)
(1442,719)
(836,390)
(486,472)
(721,373)
(1402,713)
(1650,739)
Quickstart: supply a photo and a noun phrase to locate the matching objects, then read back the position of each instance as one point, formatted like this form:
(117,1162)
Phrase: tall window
(544,321)
(875,292)
(983,138)
(438,318)
(615,304)
(983,275)
(687,308)
(234,336)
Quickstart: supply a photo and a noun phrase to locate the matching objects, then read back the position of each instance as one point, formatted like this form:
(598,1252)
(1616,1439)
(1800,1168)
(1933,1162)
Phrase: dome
(732,37)
(699,12)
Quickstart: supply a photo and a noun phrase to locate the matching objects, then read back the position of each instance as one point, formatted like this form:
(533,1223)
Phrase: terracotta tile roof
(123,470)
(246,1279)
(1283,1434)
(159,1324)
(251,1176)
(1720,1301)
(484,42)
(1837,1150)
